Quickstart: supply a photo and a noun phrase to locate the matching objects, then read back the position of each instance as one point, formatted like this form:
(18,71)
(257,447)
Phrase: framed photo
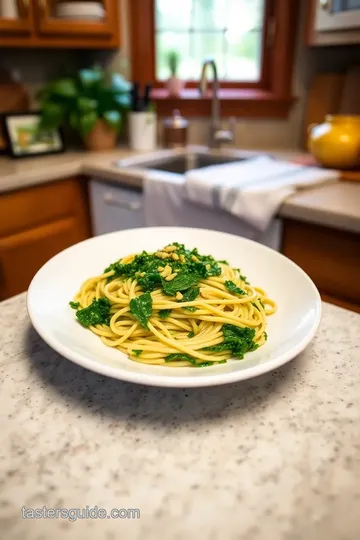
(24,138)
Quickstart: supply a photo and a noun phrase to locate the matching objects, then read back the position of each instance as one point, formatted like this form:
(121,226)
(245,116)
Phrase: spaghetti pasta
(175,307)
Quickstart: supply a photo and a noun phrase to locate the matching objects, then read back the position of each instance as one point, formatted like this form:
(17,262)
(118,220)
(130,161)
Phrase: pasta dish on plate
(175,307)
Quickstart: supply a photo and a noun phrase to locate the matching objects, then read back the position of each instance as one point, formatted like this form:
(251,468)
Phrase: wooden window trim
(269,98)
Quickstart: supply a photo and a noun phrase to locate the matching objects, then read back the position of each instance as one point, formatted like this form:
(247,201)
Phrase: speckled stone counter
(275,458)
(336,205)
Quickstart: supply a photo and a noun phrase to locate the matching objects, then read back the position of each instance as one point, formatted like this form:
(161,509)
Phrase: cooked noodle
(184,333)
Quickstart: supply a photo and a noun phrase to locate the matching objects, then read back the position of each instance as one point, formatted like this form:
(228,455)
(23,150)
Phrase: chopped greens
(244,279)
(232,287)
(265,336)
(182,282)
(164,313)
(189,296)
(237,340)
(74,305)
(141,308)
(137,352)
(191,334)
(97,313)
(189,266)
(224,262)
(187,358)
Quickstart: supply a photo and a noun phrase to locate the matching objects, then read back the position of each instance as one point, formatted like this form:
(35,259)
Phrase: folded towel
(253,189)
(166,205)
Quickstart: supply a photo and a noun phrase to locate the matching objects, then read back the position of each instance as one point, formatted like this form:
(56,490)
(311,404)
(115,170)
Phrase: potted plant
(91,103)
(174,84)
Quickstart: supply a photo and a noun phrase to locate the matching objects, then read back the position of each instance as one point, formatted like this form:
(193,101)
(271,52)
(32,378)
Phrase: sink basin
(182,163)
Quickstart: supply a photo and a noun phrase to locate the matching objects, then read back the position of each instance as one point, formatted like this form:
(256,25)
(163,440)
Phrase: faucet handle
(226,135)
(232,127)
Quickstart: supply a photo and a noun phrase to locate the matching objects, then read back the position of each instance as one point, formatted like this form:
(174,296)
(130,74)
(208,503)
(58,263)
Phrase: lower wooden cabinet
(36,224)
(331,257)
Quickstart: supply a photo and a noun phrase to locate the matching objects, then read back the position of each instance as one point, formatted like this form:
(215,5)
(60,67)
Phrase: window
(252,42)
(230,31)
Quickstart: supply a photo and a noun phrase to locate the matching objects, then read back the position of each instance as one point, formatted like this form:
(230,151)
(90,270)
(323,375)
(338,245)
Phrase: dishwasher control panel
(115,207)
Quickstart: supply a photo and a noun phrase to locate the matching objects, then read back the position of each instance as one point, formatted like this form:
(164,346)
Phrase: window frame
(270,97)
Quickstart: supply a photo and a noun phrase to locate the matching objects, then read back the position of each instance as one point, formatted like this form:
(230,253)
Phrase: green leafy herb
(179,356)
(237,340)
(191,334)
(141,308)
(189,296)
(190,267)
(182,282)
(164,313)
(186,357)
(150,281)
(224,262)
(244,279)
(97,313)
(137,352)
(265,336)
(74,305)
(232,287)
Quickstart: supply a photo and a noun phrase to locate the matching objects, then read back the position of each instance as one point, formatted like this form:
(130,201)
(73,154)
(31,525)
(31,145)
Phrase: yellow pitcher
(336,142)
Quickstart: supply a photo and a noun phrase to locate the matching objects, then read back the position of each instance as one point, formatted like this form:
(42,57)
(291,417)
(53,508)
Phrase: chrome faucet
(217,135)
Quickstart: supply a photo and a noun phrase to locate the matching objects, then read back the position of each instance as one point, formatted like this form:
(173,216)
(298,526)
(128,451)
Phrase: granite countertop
(336,205)
(276,457)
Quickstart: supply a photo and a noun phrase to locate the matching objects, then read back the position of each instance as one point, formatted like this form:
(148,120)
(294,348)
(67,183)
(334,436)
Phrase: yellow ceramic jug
(336,142)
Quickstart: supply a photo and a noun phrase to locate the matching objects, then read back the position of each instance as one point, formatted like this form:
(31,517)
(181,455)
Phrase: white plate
(289,330)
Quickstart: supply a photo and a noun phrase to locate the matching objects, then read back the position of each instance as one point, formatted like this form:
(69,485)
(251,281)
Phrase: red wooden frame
(270,97)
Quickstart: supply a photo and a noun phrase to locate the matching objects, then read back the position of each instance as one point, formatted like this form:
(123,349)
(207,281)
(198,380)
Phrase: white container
(8,9)
(80,10)
(142,130)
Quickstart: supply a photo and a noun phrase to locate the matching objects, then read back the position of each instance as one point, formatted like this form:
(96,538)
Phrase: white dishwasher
(115,207)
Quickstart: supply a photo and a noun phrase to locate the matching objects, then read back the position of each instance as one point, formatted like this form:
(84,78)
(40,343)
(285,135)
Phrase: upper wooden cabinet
(333,22)
(39,24)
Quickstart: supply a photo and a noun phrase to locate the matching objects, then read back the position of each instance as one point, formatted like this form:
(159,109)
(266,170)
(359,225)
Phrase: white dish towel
(253,189)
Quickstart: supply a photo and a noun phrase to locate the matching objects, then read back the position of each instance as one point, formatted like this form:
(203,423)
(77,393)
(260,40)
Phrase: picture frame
(24,140)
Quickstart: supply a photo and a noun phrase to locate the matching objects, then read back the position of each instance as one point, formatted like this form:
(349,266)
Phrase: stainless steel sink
(182,163)
(177,162)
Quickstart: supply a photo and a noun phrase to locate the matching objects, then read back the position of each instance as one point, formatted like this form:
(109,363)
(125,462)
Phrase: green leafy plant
(81,100)
(173,60)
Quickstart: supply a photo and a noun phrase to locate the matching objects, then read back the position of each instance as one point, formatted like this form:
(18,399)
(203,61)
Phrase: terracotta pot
(101,137)
(174,86)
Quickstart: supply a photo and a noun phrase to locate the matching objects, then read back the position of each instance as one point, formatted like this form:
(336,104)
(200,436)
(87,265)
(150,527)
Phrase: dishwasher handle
(127,205)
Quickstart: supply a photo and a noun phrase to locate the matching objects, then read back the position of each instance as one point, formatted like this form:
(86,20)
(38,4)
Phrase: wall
(37,67)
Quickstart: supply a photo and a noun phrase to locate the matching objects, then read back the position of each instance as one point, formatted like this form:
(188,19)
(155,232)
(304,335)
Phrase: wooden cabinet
(331,257)
(36,224)
(39,24)
(21,26)
(333,22)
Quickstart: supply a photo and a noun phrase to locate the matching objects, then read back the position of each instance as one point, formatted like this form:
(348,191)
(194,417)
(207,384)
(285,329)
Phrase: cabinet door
(24,253)
(337,15)
(55,18)
(15,19)
(36,224)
